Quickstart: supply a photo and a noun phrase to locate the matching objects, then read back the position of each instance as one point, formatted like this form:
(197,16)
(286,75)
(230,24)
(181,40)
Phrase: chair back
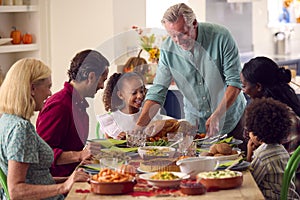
(289,173)
(3,182)
(100,135)
(98,130)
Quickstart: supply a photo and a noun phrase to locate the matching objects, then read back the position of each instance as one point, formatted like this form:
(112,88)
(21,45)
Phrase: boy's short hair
(268,119)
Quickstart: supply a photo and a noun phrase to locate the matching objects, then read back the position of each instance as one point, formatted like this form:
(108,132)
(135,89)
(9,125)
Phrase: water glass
(135,138)
(93,147)
(192,150)
(110,162)
(185,144)
(174,137)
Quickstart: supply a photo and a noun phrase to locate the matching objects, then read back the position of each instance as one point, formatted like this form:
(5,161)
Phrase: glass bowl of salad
(150,152)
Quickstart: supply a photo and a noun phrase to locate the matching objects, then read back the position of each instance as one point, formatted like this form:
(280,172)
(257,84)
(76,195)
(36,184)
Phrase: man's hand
(212,125)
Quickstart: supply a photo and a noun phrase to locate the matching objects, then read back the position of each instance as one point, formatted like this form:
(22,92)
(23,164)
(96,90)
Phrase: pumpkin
(16,36)
(27,38)
(127,169)
(134,62)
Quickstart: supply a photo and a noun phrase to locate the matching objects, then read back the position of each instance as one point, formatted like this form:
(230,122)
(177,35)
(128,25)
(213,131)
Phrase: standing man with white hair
(203,60)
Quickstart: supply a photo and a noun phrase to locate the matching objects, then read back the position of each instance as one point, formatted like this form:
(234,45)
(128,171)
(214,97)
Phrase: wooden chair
(289,173)
(100,135)
(3,182)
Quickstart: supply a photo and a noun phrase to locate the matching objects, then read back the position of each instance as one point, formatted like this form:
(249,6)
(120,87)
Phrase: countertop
(295,84)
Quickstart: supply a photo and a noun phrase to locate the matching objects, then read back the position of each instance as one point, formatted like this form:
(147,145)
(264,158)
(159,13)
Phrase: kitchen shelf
(7,9)
(15,48)
(27,19)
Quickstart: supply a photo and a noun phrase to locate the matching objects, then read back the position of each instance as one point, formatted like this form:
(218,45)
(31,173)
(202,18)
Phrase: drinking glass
(185,144)
(110,162)
(174,137)
(135,138)
(94,147)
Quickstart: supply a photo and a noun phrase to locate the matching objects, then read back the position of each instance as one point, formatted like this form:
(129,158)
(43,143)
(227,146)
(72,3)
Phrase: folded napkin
(225,140)
(127,149)
(107,143)
(91,166)
(228,163)
(202,150)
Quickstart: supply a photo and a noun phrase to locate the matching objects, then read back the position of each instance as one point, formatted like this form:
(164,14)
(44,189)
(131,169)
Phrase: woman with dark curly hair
(123,97)
(261,77)
(268,123)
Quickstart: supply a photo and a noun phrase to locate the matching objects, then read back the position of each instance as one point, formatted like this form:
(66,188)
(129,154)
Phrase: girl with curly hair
(123,98)
(268,123)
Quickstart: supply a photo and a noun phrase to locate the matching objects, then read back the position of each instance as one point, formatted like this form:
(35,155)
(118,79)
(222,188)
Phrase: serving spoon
(178,141)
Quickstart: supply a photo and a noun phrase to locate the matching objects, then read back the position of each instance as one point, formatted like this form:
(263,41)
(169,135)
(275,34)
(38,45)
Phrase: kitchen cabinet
(233,15)
(26,19)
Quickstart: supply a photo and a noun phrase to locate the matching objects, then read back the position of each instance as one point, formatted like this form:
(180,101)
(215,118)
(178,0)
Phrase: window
(278,14)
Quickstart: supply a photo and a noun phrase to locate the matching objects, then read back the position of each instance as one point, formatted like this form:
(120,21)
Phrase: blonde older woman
(25,157)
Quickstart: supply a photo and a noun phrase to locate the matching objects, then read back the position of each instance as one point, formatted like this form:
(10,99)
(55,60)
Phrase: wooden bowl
(164,183)
(215,183)
(192,187)
(111,188)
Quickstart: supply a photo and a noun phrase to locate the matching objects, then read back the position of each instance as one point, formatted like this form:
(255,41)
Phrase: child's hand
(122,136)
(251,146)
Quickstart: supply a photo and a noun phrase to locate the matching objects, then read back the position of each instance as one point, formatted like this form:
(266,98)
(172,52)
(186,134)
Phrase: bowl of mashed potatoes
(216,180)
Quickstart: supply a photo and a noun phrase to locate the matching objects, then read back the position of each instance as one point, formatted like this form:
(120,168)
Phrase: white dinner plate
(5,40)
(164,183)
(240,167)
(142,171)
(221,158)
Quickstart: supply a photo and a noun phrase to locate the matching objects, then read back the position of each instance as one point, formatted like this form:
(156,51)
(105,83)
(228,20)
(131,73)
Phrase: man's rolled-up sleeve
(231,62)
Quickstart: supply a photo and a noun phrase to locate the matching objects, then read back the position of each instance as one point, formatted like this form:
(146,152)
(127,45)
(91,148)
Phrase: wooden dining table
(248,190)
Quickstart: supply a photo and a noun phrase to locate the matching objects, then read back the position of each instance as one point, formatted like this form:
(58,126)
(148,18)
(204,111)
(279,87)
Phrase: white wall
(76,25)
